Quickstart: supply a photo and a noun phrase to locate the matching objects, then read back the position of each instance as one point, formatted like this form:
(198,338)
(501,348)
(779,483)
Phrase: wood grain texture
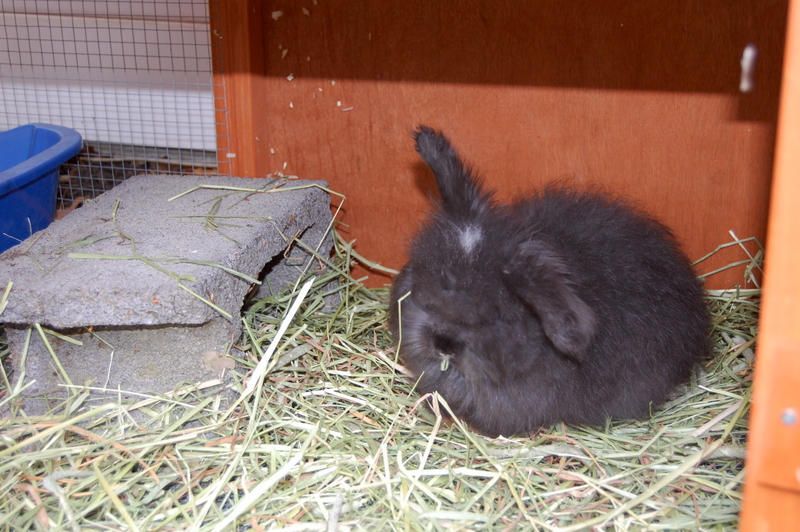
(238,62)
(772,490)
(640,97)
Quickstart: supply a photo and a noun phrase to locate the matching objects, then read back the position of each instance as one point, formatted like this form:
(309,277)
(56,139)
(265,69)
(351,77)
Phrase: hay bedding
(337,439)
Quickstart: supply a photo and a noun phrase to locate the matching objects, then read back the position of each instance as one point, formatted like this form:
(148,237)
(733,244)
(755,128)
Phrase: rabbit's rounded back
(563,306)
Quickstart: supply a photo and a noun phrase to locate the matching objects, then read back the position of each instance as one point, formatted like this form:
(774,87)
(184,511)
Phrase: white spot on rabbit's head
(469,237)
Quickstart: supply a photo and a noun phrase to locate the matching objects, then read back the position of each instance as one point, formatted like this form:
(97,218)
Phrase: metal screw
(789,417)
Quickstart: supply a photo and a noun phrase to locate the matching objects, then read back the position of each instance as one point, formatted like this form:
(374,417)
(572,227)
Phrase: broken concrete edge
(156,372)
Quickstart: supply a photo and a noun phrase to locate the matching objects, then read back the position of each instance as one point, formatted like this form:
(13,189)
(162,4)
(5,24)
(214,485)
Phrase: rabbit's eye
(444,346)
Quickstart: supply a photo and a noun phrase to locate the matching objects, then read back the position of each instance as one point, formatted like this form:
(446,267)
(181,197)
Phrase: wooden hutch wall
(641,97)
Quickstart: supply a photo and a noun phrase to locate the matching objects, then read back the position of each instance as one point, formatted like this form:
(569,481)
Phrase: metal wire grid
(134,77)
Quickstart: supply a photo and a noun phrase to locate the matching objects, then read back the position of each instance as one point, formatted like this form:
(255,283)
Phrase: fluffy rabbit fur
(565,306)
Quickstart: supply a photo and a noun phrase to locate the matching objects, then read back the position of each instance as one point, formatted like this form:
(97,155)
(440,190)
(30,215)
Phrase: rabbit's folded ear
(538,276)
(461,192)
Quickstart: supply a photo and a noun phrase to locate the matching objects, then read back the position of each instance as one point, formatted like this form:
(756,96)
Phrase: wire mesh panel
(134,77)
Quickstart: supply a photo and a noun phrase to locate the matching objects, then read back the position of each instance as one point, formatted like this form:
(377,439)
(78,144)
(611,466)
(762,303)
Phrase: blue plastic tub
(29,160)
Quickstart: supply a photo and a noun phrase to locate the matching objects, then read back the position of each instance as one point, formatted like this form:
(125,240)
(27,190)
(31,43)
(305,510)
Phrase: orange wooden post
(237,42)
(772,488)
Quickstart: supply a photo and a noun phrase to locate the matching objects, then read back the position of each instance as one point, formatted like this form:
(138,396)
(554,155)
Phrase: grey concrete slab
(134,298)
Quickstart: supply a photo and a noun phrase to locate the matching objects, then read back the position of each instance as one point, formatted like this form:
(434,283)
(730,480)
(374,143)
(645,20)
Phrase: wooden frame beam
(772,488)
(237,43)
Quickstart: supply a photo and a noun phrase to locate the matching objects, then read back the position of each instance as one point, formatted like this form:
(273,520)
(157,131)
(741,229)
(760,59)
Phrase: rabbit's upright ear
(538,277)
(461,192)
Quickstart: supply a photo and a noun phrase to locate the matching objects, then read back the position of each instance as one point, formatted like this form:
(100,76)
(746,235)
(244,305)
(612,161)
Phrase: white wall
(134,72)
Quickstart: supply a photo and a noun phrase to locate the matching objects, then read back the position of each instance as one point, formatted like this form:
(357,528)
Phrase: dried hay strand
(335,438)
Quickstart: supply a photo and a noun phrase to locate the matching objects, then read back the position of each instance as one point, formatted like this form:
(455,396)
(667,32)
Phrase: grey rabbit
(563,306)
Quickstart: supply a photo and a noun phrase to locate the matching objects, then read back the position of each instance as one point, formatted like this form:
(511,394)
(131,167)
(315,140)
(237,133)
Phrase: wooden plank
(642,98)
(772,490)
(237,43)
